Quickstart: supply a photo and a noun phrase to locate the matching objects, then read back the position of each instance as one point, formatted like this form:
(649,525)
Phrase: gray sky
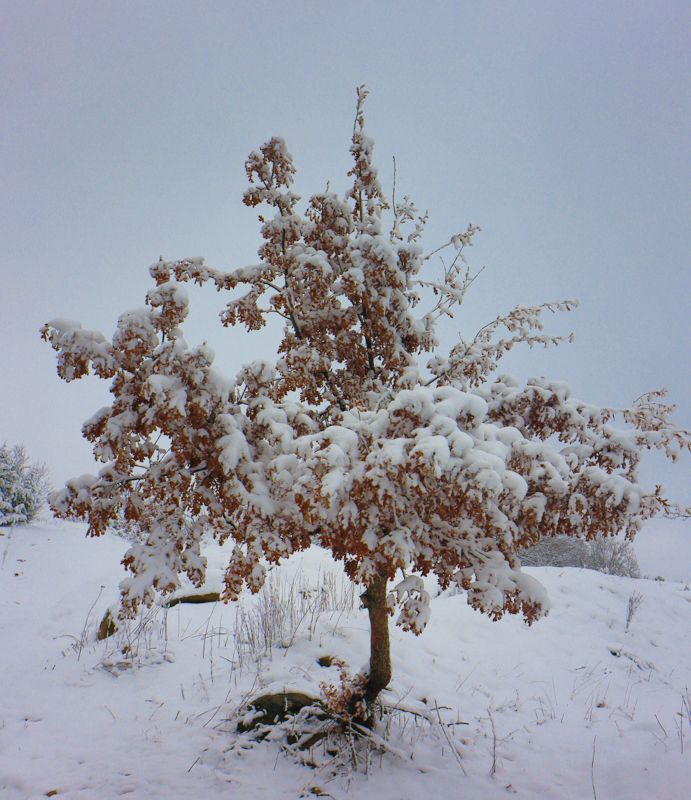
(561,128)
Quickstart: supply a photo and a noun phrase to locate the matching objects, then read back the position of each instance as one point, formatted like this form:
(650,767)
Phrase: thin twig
(86,622)
(193,763)
(661,725)
(393,192)
(681,725)
(493,771)
(451,744)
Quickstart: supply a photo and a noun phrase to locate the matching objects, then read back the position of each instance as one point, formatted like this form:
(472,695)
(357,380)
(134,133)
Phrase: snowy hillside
(575,706)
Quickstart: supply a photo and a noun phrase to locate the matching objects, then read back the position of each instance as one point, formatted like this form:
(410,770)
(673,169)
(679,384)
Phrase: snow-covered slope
(573,707)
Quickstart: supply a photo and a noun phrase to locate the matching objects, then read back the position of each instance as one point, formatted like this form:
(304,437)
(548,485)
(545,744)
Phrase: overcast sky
(561,128)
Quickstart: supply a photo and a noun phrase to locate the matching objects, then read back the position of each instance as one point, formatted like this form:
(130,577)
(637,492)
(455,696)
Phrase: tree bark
(374,600)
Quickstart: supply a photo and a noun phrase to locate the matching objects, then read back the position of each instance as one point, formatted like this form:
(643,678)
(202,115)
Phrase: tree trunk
(374,600)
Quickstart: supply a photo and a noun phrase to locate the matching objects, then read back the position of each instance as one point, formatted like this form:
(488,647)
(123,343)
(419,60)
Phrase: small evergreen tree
(361,437)
(23,486)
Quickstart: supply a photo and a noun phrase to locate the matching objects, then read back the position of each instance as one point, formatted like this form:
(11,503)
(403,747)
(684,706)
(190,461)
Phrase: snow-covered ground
(573,707)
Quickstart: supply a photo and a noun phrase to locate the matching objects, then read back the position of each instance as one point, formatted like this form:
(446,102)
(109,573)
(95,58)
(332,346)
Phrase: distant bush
(609,555)
(135,531)
(129,530)
(23,486)
(557,551)
(613,557)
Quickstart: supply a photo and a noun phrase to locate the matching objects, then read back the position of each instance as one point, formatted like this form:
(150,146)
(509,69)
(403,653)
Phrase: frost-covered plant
(613,556)
(361,436)
(286,606)
(632,606)
(23,486)
(555,551)
(128,529)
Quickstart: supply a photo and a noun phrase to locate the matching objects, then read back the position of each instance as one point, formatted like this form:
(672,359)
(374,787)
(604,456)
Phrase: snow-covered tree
(361,437)
(23,486)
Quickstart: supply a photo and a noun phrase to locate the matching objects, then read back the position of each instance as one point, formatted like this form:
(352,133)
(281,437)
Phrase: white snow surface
(573,707)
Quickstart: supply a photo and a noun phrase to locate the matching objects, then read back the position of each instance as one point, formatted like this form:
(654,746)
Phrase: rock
(272,708)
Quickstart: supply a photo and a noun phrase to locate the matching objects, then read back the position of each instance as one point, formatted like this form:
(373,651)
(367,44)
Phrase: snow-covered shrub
(613,556)
(23,486)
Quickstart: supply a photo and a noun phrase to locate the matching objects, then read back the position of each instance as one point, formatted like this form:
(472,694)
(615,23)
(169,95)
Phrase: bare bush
(609,555)
(285,606)
(633,604)
(560,551)
(613,557)
(129,530)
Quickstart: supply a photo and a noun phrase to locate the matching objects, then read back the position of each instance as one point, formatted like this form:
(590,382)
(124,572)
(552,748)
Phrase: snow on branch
(472,362)
(414,602)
